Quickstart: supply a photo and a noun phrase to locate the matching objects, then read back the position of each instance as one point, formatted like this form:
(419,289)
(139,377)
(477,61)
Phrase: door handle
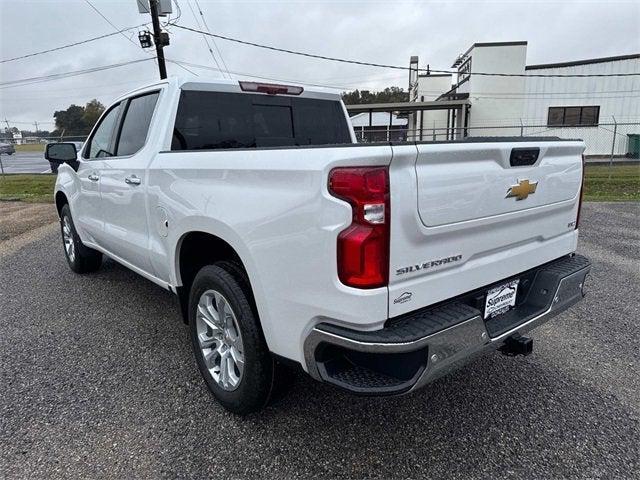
(132,180)
(93,177)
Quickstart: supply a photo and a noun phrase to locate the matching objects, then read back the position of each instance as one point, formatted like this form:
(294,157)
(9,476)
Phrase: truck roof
(231,86)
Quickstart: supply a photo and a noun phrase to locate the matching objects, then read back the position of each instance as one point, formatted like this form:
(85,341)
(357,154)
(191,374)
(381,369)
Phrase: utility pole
(157,38)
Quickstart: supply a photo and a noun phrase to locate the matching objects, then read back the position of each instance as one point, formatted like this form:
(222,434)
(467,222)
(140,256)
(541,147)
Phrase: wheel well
(61,201)
(199,249)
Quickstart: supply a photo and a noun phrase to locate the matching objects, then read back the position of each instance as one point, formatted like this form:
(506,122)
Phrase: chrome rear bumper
(430,343)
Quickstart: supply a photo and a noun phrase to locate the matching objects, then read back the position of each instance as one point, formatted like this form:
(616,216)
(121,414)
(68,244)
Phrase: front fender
(68,184)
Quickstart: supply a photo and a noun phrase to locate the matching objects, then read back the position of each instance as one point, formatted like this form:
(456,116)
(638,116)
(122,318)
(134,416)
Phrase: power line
(29,123)
(513,96)
(480,96)
(398,67)
(128,38)
(57,76)
(204,20)
(262,77)
(82,42)
(110,23)
(215,60)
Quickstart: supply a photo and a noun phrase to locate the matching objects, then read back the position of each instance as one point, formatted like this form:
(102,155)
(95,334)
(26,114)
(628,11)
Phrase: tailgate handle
(521,157)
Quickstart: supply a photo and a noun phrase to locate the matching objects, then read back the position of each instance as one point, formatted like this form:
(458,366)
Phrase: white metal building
(379,126)
(597,109)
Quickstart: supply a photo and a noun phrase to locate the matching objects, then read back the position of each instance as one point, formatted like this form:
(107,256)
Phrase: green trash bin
(634,145)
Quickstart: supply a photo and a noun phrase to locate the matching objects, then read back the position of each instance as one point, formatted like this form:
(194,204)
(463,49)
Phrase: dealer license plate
(500,299)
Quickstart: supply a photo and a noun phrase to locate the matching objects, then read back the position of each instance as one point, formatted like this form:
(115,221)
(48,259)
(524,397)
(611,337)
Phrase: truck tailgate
(464,215)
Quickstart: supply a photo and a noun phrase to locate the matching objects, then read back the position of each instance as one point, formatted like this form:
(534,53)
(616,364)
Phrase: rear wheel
(228,344)
(81,259)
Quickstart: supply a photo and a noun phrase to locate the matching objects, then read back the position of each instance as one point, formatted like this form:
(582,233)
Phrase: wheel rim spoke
(238,358)
(220,339)
(208,319)
(67,238)
(206,341)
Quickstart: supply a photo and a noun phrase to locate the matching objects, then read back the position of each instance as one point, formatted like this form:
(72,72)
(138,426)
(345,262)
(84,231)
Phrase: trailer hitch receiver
(517,345)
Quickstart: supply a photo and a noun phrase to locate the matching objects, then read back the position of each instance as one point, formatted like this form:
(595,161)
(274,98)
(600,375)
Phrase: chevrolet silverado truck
(376,268)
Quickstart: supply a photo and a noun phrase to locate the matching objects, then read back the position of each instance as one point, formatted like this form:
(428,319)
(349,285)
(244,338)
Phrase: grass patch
(618,183)
(30,147)
(27,188)
(624,185)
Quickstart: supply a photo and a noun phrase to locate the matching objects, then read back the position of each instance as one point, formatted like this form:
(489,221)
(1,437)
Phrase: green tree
(77,120)
(71,120)
(92,112)
(388,95)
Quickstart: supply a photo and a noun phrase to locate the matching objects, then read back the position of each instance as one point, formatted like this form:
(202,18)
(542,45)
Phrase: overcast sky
(374,31)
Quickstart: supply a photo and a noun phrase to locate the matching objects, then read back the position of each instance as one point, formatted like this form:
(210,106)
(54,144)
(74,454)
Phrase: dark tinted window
(136,124)
(101,143)
(556,116)
(213,120)
(589,115)
(272,121)
(573,116)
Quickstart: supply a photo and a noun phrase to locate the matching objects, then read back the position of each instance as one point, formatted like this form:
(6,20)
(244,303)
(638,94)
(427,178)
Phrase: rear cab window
(220,120)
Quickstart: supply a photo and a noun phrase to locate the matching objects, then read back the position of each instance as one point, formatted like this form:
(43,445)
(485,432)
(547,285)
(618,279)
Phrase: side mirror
(62,153)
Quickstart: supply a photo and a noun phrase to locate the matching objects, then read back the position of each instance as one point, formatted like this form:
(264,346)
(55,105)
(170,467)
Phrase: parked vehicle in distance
(7,149)
(375,268)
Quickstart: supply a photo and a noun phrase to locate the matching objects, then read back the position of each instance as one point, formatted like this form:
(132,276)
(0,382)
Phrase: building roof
(423,75)
(408,106)
(582,62)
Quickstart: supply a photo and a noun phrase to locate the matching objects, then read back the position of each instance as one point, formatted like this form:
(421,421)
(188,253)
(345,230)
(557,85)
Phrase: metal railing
(603,140)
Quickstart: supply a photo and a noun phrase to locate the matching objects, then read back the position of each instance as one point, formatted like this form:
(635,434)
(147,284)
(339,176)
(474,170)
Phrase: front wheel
(81,259)
(229,347)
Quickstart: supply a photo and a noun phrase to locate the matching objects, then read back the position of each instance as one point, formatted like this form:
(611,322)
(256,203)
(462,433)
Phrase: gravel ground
(98,381)
(17,218)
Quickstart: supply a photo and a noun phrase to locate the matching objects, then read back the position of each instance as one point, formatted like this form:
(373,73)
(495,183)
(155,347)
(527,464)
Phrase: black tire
(83,259)
(256,384)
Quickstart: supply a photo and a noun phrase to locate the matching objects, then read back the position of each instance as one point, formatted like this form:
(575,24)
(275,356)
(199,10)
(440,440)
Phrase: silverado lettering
(425,265)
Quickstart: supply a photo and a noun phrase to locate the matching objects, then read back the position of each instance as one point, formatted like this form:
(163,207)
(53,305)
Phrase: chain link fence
(606,140)
(44,140)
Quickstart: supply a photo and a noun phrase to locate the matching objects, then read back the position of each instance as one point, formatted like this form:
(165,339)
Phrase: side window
(135,126)
(100,144)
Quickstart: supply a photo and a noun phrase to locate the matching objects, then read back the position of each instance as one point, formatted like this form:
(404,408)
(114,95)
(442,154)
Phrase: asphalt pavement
(25,162)
(98,380)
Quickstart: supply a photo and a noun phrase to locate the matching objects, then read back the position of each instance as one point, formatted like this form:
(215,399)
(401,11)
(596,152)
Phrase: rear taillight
(363,247)
(581,194)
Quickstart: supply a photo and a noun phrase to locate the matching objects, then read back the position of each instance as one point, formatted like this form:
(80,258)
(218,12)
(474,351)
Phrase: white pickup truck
(375,267)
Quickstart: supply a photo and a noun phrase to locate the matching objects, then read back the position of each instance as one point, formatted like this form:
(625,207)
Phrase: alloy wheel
(67,238)
(220,340)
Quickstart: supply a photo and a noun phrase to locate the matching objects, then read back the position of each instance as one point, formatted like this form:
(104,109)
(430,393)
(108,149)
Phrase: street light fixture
(145,39)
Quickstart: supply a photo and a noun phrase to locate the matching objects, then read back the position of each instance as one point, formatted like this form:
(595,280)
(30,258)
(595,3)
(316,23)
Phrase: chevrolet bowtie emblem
(522,190)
